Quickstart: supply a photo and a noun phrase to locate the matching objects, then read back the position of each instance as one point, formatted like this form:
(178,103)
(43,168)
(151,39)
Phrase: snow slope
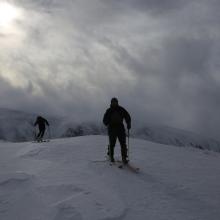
(66,180)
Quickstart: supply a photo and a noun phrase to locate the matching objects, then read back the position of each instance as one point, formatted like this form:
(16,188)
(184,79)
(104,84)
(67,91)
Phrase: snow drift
(67,179)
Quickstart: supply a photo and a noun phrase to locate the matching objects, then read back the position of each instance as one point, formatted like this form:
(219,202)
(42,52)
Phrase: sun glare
(8,13)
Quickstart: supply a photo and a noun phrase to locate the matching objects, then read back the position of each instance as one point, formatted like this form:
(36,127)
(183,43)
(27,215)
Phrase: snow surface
(65,180)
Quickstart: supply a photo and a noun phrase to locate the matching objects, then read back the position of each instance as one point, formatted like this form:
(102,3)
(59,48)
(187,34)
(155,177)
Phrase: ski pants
(114,133)
(41,132)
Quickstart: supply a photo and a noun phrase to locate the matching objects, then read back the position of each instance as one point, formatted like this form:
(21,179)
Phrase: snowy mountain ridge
(177,137)
(18,126)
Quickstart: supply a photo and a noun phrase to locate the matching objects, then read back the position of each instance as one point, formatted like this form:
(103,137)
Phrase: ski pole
(128,146)
(35,133)
(49,134)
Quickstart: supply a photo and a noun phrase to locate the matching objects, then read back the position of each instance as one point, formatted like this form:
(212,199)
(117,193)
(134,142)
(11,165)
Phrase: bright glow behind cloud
(8,14)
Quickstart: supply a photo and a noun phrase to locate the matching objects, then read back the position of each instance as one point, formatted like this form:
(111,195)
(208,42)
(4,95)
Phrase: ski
(120,165)
(103,161)
(129,166)
(42,141)
(99,161)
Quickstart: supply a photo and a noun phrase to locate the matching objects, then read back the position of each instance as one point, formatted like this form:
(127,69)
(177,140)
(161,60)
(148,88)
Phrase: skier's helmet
(114,102)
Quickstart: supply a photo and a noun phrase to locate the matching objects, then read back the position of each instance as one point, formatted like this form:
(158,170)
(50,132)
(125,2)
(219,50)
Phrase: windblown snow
(68,179)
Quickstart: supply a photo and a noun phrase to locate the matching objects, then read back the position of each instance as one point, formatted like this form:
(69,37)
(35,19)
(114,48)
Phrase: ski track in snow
(59,180)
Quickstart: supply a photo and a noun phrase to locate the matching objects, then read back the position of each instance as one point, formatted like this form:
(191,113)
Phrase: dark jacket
(41,122)
(114,117)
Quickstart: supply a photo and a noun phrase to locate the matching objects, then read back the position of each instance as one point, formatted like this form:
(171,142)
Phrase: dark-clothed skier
(41,122)
(113,119)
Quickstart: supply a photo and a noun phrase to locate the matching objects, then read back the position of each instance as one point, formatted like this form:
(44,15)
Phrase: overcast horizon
(161,58)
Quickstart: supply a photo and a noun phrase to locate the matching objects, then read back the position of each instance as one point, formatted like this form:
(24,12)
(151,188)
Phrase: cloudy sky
(161,58)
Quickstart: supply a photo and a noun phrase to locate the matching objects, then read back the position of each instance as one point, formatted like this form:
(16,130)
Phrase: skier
(41,122)
(113,119)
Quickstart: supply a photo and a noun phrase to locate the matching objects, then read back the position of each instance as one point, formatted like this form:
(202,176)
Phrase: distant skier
(113,119)
(41,122)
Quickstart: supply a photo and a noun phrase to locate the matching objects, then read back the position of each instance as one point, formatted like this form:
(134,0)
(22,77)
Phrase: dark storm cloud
(161,58)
